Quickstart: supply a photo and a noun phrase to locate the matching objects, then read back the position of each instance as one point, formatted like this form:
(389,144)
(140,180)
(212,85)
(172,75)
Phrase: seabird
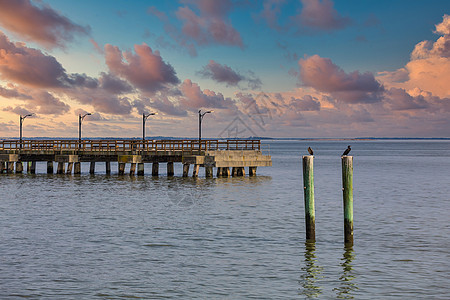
(311,152)
(347,150)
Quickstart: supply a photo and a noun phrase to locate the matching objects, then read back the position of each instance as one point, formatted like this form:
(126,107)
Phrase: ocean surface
(122,237)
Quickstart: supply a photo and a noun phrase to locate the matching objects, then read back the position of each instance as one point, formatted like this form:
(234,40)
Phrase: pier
(229,157)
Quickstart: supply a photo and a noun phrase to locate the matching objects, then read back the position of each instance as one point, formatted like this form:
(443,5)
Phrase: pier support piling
(308,188)
(121,168)
(347,188)
(60,168)
(170,170)
(49,167)
(108,167)
(92,168)
(2,166)
(19,167)
(208,172)
(140,169)
(251,171)
(69,168)
(132,169)
(195,170)
(185,170)
(77,168)
(33,167)
(155,169)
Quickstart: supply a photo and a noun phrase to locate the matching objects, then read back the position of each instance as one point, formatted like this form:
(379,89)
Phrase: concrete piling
(140,169)
(108,167)
(33,167)
(69,168)
(170,170)
(347,188)
(2,166)
(92,168)
(49,167)
(208,172)
(185,170)
(308,188)
(77,168)
(60,168)
(132,169)
(121,168)
(155,169)
(19,167)
(195,170)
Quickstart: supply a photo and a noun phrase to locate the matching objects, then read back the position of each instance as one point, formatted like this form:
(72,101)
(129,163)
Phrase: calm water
(110,237)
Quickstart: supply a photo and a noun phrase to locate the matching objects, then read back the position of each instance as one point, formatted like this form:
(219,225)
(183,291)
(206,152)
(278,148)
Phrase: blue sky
(309,68)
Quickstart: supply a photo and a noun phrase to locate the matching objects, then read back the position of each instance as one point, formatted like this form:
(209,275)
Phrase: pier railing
(129,145)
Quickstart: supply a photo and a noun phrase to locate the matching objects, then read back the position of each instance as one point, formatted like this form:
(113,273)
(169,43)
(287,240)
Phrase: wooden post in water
(155,169)
(308,188)
(19,167)
(108,167)
(49,167)
(219,172)
(185,170)
(170,170)
(347,188)
(251,171)
(33,167)
(2,166)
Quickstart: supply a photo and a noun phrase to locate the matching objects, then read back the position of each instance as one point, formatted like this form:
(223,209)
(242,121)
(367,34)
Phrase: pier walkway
(68,154)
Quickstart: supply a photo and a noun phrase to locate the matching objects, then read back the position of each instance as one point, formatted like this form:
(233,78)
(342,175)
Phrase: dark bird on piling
(311,152)
(347,151)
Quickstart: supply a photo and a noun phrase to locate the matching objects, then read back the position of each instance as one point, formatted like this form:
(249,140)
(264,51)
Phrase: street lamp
(80,119)
(21,121)
(200,118)
(144,118)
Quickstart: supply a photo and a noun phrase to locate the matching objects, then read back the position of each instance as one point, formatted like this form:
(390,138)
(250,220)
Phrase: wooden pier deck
(220,154)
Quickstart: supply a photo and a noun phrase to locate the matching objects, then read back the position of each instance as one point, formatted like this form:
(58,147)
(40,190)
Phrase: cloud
(163,104)
(224,74)
(145,69)
(114,84)
(429,67)
(40,24)
(324,76)
(17,110)
(194,98)
(319,15)
(307,103)
(38,101)
(399,99)
(210,26)
(271,12)
(13,93)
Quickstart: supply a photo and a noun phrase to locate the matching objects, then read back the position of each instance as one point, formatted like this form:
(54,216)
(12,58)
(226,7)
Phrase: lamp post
(21,121)
(200,118)
(144,118)
(80,119)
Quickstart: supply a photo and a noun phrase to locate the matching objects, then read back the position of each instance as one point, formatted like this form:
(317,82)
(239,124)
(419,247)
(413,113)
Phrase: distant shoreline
(246,138)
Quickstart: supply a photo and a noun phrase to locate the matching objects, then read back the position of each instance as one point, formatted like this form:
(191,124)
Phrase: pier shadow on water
(347,285)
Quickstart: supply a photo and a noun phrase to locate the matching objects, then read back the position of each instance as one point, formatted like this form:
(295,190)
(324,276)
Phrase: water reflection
(311,273)
(347,287)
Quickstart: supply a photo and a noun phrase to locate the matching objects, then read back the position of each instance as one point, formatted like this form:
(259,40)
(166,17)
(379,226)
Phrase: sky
(271,68)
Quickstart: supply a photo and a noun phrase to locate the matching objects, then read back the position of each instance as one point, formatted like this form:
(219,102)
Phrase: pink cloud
(324,76)
(195,98)
(319,15)
(224,74)
(429,67)
(145,69)
(40,24)
(270,13)
(29,66)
